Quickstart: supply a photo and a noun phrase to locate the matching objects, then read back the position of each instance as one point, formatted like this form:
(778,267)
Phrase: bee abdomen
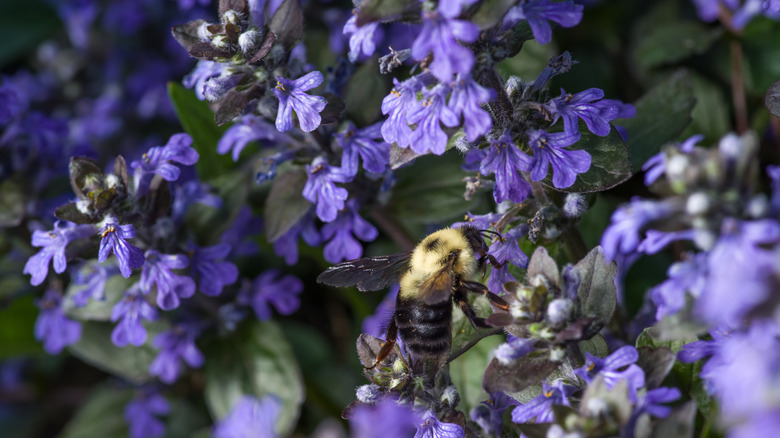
(425,329)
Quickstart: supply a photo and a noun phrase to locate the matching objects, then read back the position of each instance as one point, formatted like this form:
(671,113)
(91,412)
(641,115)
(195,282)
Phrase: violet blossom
(250,417)
(440,35)
(292,96)
(170,287)
(270,288)
(113,240)
(342,235)
(142,412)
(53,244)
(213,275)
(176,345)
(130,312)
(56,330)
(320,188)
(505,160)
(429,136)
(549,150)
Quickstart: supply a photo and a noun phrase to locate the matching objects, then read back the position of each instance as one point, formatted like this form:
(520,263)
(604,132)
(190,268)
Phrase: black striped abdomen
(426,330)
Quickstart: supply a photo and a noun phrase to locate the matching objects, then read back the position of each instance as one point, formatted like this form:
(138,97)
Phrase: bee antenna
(486,233)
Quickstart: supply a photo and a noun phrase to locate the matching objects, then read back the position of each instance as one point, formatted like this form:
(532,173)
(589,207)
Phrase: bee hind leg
(390,337)
(477,322)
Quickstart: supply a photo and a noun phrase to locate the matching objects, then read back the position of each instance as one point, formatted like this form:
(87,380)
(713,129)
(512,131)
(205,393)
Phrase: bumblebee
(433,276)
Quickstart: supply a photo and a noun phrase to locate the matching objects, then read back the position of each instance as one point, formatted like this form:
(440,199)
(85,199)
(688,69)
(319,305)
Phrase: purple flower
(401,101)
(622,236)
(53,244)
(94,277)
(431,427)
(540,407)
(321,190)
(292,96)
(610,366)
(52,327)
(465,100)
(651,402)
(363,39)
(384,419)
(204,70)
(480,221)
(688,276)
(213,275)
(170,287)
(366,143)
(490,413)
(439,36)
(429,136)
(752,8)
(708,10)
(452,8)
(504,159)
(190,193)
(539,12)
(376,324)
(566,164)
(342,234)
(590,106)
(287,245)
(157,161)
(141,414)
(248,128)
(245,225)
(132,310)
(250,417)
(513,349)
(656,165)
(175,345)
(113,239)
(271,289)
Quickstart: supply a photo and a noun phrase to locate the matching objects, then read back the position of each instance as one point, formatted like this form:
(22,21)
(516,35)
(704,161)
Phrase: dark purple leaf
(69,212)
(236,5)
(120,170)
(187,34)
(268,42)
(85,175)
(525,371)
(597,294)
(287,23)
(657,363)
(205,51)
(234,102)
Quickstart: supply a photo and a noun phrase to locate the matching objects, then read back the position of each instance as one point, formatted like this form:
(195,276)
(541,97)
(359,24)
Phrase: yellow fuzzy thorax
(431,255)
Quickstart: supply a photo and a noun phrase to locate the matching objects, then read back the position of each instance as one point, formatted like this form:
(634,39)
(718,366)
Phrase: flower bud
(450,396)
(559,311)
(247,41)
(204,33)
(231,16)
(574,206)
(697,204)
(367,393)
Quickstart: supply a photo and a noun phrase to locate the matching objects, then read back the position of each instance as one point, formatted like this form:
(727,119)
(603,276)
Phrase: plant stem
(738,86)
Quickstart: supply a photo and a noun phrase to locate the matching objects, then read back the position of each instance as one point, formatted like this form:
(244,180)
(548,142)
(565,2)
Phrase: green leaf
(431,191)
(285,205)
(672,41)
(772,99)
(102,415)
(489,13)
(710,114)
(24,25)
(96,310)
(376,10)
(17,321)
(610,164)
(131,363)
(256,361)
(464,335)
(186,419)
(364,93)
(209,223)
(596,294)
(12,202)
(661,115)
(197,119)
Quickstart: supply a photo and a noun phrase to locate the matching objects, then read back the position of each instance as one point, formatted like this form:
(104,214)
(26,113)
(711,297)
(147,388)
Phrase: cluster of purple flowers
(737,13)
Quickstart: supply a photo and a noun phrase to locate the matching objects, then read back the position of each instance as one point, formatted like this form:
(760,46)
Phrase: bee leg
(460,299)
(479,288)
(390,336)
(488,258)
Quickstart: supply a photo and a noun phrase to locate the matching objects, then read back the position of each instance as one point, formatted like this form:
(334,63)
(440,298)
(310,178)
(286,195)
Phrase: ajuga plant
(176,179)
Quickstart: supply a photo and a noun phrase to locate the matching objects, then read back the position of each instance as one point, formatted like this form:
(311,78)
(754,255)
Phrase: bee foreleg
(460,299)
(479,288)
(390,337)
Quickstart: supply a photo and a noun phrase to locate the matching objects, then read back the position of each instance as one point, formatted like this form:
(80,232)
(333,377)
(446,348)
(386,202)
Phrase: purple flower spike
(465,100)
(292,96)
(610,366)
(651,402)
(213,275)
(271,289)
(431,427)
(248,128)
(440,35)
(566,164)
(504,159)
(132,310)
(204,70)
(287,245)
(366,143)
(363,39)
(429,136)
(383,419)
(250,417)
(52,327)
(113,239)
(539,12)
(53,245)
(401,101)
(142,412)
(508,250)
(175,344)
(157,159)
(320,188)
(541,406)
(170,287)
(590,106)
(342,244)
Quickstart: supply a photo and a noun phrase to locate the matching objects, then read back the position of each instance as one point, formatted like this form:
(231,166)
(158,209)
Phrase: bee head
(476,238)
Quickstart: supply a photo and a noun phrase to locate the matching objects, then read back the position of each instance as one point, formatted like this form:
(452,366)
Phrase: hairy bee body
(432,277)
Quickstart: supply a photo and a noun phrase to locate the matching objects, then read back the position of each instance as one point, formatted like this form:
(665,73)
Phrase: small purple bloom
(320,188)
(505,160)
(94,277)
(170,287)
(287,245)
(132,310)
(213,275)
(52,327)
(588,105)
(622,236)
(366,143)
(363,39)
(513,349)
(204,70)
(651,402)
(466,98)
(189,193)
(250,417)
(248,128)
(440,35)
(490,413)
(401,101)
(655,166)
(429,136)
(343,233)
(508,250)
(53,244)
(610,366)
(540,407)
(708,10)
(292,96)
(142,412)
(384,419)
(539,12)
(157,161)
(549,151)
(269,288)
(655,240)
(113,239)
(686,277)
(431,427)
(480,221)
(453,8)
(175,345)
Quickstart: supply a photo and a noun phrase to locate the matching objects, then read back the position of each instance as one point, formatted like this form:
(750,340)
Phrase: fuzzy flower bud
(559,311)
(574,206)
(203,32)
(231,16)
(367,393)
(247,41)
(697,204)
(450,396)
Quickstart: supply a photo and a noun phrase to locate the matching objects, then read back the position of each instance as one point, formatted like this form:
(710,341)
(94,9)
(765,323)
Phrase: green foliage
(101,415)
(285,206)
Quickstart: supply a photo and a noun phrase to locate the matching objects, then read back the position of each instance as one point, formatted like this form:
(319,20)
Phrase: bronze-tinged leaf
(205,51)
(542,264)
(520,374)
(597,294)
(287,23)
(187,34)
(656,363)
(233,103)
(333,110)
(368,348)
(120,169)
(232,31)
(84,172)
(69,212)
(236,5)
(268,42)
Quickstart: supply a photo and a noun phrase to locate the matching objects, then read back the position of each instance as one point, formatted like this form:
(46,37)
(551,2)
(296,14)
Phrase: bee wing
(438,287)
(368,273)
